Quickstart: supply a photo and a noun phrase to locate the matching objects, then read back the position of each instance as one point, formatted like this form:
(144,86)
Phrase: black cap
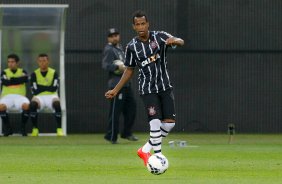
(112,31)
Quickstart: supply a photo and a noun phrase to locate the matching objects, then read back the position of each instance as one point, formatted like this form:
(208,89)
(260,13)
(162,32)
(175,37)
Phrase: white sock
(155,135)
(166,128)
(160,153)
(147,147)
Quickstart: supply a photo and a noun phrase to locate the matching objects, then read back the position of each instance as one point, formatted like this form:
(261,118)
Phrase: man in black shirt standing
(113,63)
(148,52)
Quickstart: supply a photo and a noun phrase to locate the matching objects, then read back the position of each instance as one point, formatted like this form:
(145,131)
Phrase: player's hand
(110,94)
(170,41)
(173,42)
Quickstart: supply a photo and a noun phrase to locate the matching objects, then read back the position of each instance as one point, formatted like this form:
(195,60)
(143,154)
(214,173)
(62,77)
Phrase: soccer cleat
(144,156)
(8,132)
(34,132)
(60,132)
(24,134)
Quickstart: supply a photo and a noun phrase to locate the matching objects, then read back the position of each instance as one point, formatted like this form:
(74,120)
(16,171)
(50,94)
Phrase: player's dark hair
(42,55)
(138,14)
(14,56)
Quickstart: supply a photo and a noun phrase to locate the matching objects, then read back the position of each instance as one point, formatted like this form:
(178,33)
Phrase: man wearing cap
(124,102)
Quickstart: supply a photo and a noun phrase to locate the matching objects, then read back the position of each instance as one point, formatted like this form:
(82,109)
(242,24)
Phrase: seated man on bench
(13,95)
(44,83)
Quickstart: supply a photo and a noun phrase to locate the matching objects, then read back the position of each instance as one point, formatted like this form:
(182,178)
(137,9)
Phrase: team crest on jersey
(152,111)
(153,44)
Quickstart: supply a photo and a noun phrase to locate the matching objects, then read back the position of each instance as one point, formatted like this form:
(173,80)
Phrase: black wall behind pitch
(228,71)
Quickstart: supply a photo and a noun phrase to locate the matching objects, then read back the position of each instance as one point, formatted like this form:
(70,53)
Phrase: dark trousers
(123,103)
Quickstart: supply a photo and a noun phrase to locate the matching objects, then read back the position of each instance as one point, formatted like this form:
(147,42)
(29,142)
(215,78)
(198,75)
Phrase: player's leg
(129,114)
(168,114)
(114,115)
(56,105)
(35,104)
(153,110)
(5,119)
(22,104)
(155,135)
(168,110)
(154,114)
(25,116)
(6,103)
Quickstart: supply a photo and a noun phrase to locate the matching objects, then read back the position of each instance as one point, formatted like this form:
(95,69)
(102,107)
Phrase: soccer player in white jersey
(44,83)
(13,95)
(148,51)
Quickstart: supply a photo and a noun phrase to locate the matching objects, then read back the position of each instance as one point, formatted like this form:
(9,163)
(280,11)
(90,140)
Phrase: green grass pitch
(208,159)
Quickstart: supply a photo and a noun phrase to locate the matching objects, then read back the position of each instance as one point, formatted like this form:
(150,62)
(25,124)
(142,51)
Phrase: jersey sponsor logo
(144,63)
(151,59)
(152,111)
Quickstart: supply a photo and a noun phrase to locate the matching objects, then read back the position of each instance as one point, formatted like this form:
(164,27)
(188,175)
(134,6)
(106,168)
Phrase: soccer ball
(118,63)
(157,164)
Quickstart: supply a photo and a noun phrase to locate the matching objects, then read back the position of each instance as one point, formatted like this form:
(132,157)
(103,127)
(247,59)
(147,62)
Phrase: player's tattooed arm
(19,80)
(52,88)
(127,75)
(13,80)
(174,41)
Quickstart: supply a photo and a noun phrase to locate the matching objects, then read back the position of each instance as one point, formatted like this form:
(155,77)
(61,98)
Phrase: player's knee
(3,114)
(3,107)
(58,110)
(57,106)
(168,120)
(25,113)
(33,106)
(25,107)
(155,124)
(58,114)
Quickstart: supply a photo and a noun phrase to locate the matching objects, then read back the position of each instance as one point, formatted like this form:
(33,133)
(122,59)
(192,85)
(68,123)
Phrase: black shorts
(160,105)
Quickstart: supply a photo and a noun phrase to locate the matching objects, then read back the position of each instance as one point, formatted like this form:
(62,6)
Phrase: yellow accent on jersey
(19,89)
(45,81)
